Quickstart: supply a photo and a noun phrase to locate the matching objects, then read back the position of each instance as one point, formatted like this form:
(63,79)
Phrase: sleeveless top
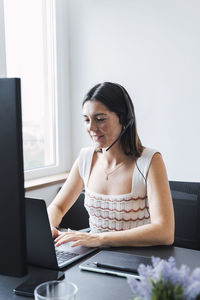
(117,212)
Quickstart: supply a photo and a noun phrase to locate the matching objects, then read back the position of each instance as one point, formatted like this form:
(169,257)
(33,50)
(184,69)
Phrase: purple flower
(193,290)
(195,274)
(146,271)
(169,273)
(141,289)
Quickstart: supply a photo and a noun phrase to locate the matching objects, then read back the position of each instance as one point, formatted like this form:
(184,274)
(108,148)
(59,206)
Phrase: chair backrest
(77,217)
(186,201)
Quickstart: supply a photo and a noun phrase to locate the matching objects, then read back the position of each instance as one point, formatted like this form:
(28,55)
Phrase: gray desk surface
(98,286)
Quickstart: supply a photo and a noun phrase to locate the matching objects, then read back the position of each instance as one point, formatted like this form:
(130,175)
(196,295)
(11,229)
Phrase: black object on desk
(28,286)
(115,263)
(12,204)
(41,249)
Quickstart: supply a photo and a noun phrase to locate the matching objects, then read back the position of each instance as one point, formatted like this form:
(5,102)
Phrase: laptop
(115,263)
(41,250)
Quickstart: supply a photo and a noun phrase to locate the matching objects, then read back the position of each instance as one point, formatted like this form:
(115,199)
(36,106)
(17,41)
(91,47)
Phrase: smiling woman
(102,125)
(127,193)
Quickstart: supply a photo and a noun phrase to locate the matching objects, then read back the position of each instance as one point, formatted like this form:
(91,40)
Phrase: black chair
(186,201)
(77,217)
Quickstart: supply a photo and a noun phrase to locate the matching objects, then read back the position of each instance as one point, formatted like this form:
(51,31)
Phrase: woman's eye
(100,120)
(97,120)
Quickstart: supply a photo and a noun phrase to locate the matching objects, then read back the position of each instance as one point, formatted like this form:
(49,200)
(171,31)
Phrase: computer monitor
(12,202)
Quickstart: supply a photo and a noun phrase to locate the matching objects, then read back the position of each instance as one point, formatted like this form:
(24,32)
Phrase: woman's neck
(113,156)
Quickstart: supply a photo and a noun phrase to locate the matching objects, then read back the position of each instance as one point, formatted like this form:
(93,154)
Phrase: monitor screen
(12,203)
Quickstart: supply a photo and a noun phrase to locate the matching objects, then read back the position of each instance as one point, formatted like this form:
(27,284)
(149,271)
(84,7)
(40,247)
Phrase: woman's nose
(92,126)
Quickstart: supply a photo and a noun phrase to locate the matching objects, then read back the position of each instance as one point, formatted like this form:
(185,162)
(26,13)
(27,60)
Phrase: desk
(105,287)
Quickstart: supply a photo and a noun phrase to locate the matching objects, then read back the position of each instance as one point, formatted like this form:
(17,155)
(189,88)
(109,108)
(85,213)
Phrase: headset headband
(128,105)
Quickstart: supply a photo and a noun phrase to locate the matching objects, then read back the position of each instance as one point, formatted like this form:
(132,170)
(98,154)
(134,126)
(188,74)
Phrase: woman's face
(102,125)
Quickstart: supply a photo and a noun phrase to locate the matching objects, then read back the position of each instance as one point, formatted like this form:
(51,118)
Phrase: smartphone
(27,287)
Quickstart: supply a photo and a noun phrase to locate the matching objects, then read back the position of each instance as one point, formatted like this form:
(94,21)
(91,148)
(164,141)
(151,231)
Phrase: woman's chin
(98,146)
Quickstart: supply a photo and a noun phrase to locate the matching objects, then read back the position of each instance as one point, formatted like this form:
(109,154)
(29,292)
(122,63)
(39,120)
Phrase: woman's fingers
(67,237)
(77,243)
(79,238)
(62,234)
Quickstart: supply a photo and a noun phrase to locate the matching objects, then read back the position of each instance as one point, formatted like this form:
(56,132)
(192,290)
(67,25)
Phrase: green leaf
(162,290)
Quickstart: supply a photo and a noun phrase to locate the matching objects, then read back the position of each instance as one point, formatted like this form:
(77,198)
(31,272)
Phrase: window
(31,48)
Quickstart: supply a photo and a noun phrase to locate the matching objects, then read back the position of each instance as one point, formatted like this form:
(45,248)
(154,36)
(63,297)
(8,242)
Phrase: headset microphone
(130,123)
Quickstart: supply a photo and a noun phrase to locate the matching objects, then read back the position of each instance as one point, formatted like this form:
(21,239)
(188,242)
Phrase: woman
(127,193)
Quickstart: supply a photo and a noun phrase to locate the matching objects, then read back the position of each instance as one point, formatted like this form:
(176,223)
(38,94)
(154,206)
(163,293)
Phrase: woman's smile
(102,125)
(97,137)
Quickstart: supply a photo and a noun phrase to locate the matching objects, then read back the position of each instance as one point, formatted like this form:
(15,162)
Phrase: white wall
(152,48)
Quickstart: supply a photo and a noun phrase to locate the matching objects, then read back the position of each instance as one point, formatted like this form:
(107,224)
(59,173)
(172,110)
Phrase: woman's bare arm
(66,197)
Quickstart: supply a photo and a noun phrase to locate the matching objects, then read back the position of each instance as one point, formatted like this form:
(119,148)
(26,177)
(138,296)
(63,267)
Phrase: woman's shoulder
(149,152)
(85,156)
(84,162)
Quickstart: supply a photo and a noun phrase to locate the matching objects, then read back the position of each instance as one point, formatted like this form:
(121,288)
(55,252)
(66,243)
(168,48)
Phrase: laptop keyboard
(63,256)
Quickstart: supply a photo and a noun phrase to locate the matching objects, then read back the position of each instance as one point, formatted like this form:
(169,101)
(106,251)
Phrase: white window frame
(62,92)
(2,42)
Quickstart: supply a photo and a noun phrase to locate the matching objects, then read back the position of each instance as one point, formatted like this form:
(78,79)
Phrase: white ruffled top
(117,212)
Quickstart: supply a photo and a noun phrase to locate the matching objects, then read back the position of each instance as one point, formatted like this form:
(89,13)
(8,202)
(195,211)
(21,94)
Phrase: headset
(129,124)
(130,115)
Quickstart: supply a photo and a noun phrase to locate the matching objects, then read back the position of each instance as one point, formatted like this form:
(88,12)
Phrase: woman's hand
(79,238)
(55,232)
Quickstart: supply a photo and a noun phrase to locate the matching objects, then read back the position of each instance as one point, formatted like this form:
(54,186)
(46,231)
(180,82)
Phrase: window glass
(30,55)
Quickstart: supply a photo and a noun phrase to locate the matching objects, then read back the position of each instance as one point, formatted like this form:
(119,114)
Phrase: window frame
(2,39)
(61,91)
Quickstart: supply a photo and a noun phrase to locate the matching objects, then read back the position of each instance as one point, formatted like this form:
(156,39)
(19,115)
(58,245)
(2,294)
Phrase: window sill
(45,181)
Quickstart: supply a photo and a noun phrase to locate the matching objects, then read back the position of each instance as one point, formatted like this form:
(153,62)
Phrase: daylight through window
(30,55)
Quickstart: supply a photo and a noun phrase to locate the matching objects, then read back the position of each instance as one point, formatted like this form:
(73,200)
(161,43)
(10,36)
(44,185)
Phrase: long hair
(115,98)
